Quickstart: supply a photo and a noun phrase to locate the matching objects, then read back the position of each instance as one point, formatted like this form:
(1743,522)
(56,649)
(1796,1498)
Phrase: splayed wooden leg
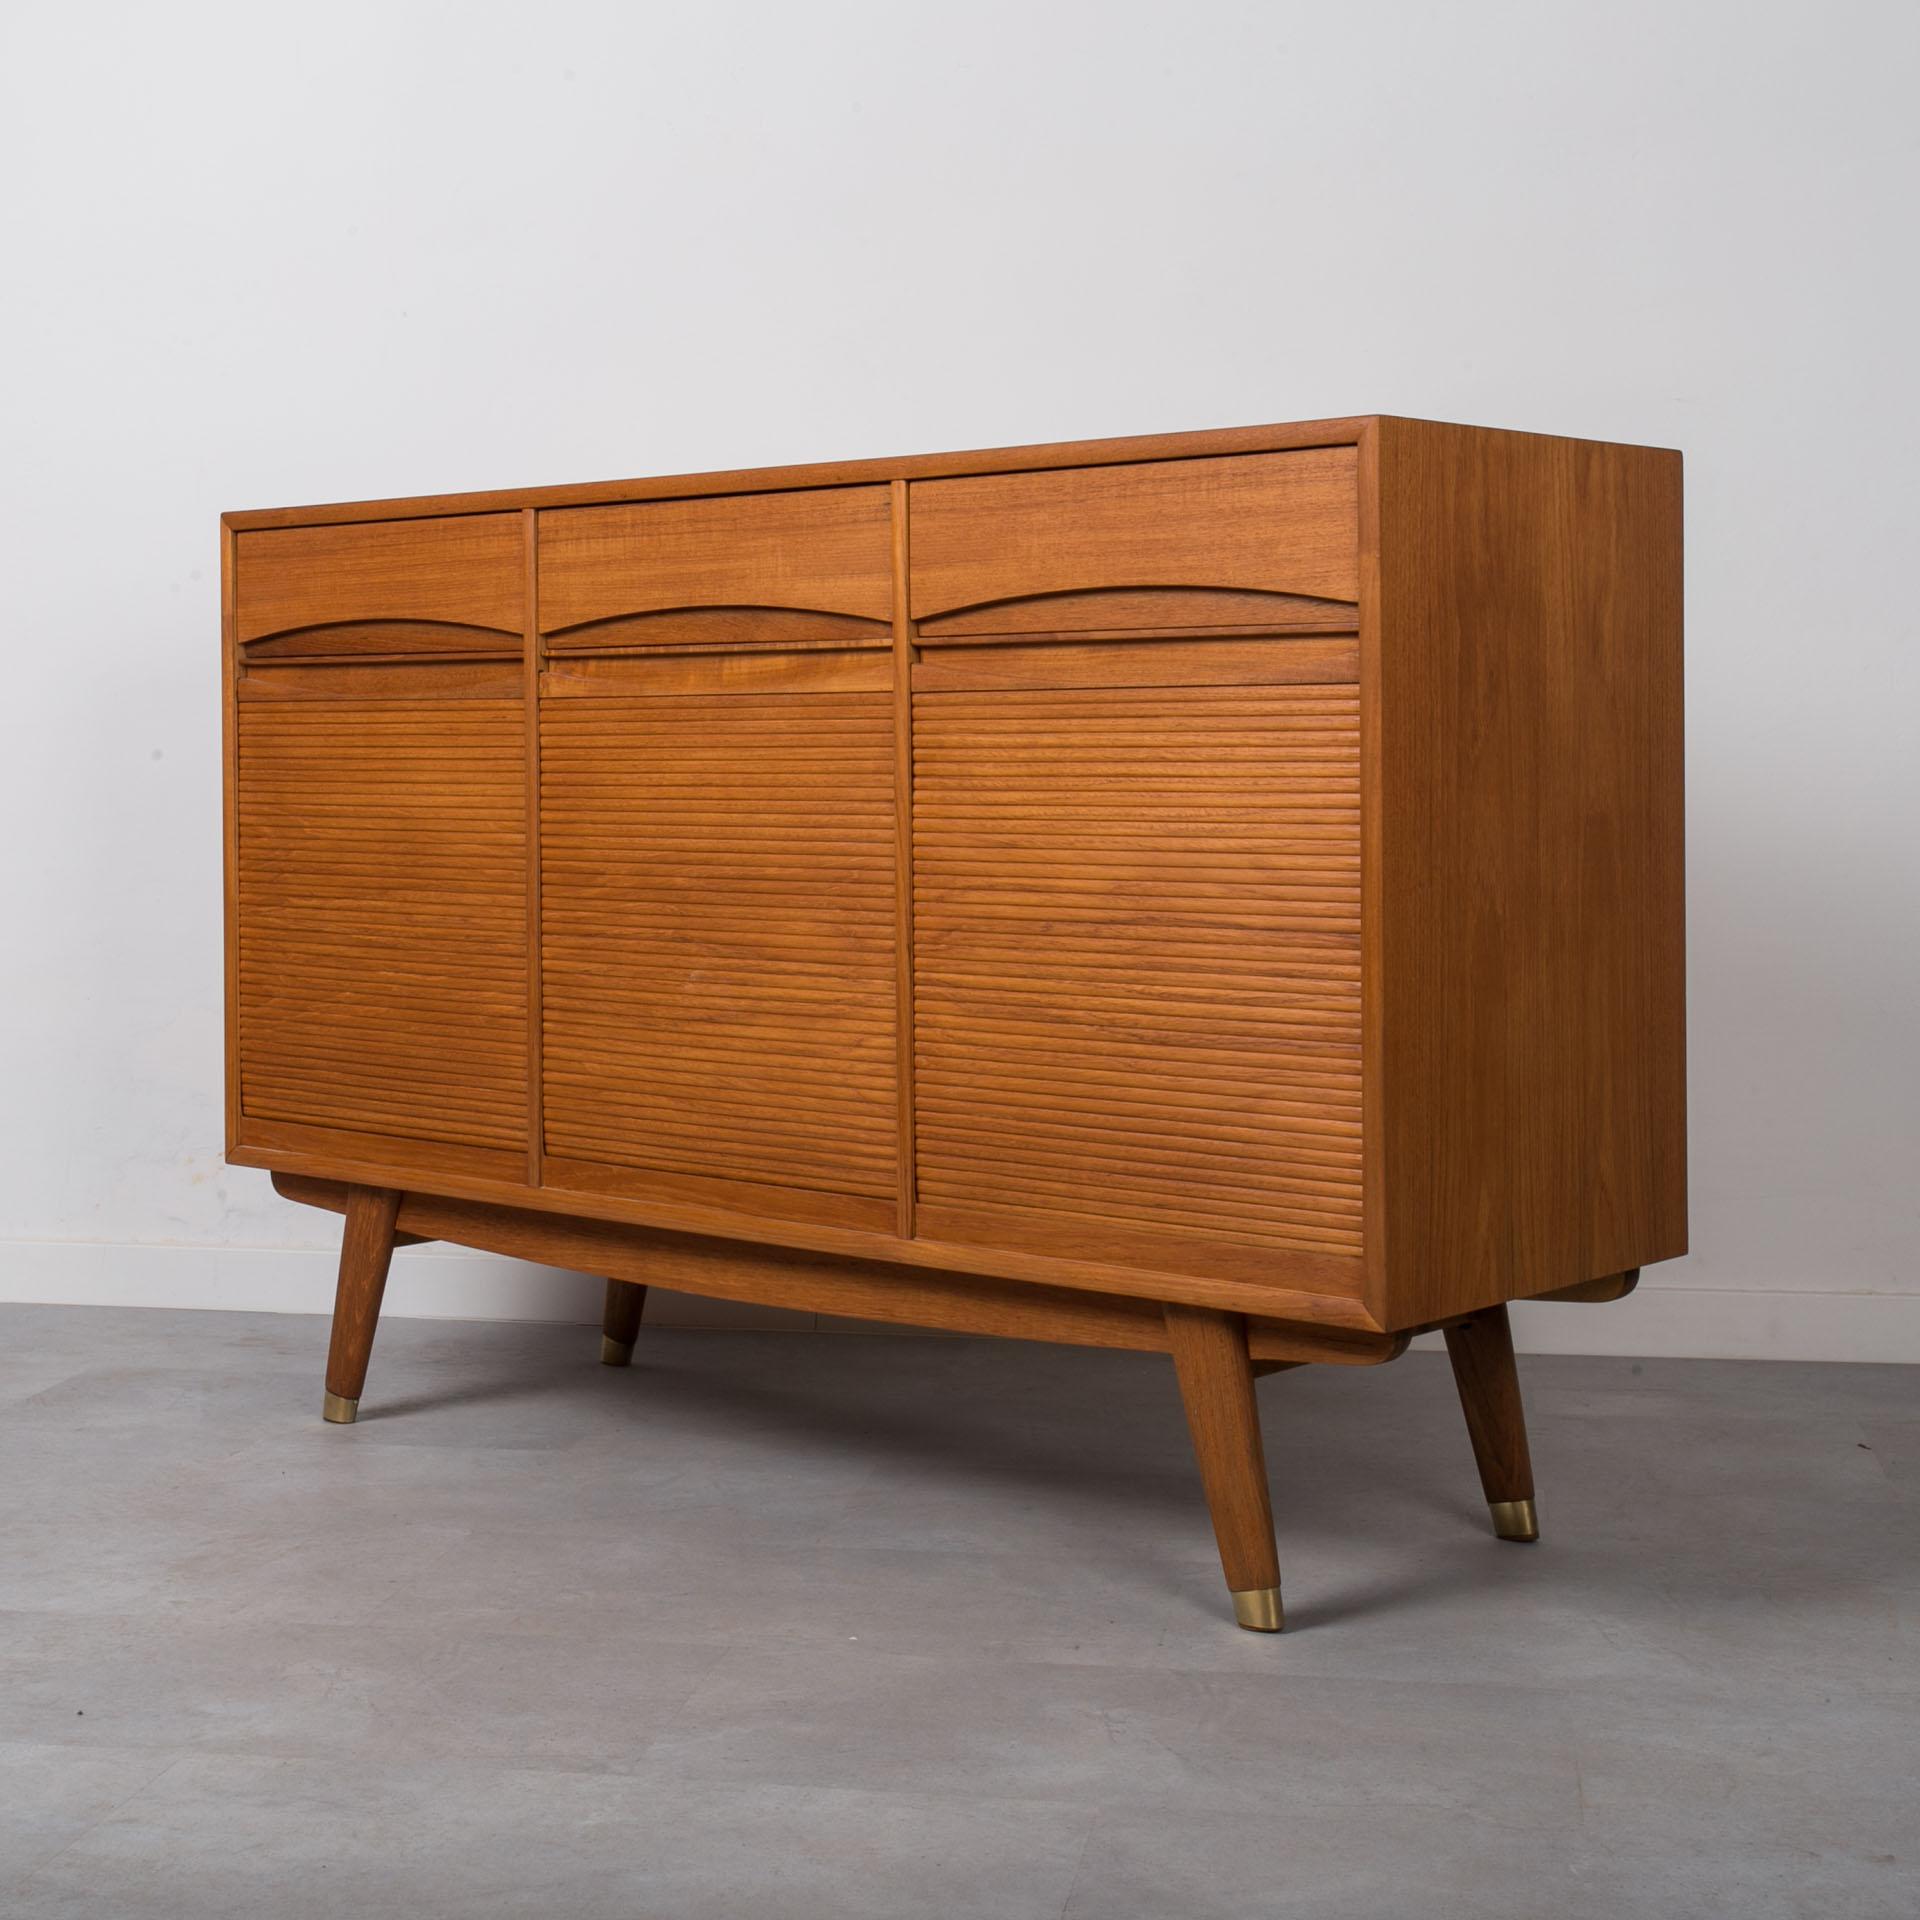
(366,1248)
(620,1326)
(1216,1383)
(1481,1349)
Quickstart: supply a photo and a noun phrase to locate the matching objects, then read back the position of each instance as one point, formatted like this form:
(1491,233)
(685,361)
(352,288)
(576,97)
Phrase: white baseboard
(443,1283)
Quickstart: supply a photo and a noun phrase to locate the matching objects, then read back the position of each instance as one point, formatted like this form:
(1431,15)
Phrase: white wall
(260,255)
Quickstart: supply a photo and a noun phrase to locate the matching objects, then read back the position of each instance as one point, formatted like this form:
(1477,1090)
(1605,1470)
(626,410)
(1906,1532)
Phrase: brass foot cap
(1258,1608)
(615,1353)
(340,1410)
(1515,1520)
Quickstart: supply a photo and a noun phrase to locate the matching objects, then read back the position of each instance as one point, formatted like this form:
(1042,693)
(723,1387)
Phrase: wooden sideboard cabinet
(1217,894)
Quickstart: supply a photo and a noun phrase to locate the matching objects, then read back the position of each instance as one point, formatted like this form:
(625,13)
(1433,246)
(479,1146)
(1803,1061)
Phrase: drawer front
(763,569)
(718,945)
(1264,541)
(455,585)
(381,917)
(1137,973)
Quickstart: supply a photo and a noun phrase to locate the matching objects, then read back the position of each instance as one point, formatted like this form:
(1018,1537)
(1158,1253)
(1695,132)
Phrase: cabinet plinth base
(1258,1610)
(341,1411)
(1515,1520)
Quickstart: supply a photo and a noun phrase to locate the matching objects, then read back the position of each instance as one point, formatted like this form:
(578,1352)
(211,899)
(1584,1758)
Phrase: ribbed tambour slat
(382,921)
(717,905)
(1137,958)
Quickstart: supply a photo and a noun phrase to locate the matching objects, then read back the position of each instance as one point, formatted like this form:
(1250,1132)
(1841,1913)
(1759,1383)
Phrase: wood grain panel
(381,917)
(468,569)
(1282,523)
(1137,961)
(1530,964)
(718,944)
(824,551)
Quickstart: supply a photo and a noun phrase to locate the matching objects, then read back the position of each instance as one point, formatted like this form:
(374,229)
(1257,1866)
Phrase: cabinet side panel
(1530,945)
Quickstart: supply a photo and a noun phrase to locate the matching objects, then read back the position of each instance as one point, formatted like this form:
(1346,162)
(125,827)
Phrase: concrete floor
(786,1626)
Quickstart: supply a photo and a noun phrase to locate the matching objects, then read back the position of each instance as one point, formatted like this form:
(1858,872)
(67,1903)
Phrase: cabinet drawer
(1252,542)
(392,587)
(809,568)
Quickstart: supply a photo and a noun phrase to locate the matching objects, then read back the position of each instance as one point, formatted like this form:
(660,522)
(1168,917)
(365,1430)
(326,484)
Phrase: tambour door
(718,854)
(1136,857)
(379,940)
(1137,974)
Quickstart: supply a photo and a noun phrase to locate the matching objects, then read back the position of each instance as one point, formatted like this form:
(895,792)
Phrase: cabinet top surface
(840,473)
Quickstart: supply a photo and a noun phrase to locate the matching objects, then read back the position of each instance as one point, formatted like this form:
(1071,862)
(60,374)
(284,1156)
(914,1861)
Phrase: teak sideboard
(1217,894)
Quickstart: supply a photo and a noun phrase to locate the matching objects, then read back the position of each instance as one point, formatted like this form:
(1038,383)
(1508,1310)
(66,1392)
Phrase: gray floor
(787,1625)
